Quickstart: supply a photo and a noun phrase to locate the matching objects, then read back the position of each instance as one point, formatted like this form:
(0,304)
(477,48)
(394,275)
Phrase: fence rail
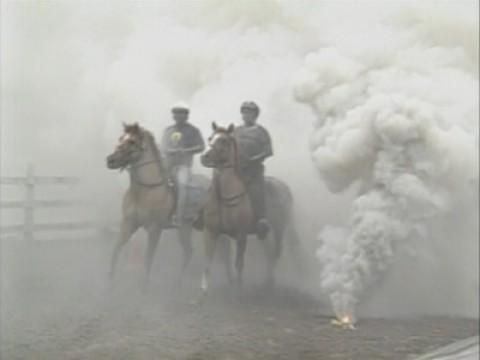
(30,182)
(85,225)
(38,204)
(39,180)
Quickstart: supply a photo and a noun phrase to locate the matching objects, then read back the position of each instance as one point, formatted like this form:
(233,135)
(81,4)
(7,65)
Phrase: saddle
(196,197)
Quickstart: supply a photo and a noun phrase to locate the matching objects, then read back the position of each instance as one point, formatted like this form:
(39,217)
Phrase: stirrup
(198,223)
(175,221)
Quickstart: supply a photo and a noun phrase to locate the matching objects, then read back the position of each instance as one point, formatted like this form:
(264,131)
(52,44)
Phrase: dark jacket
(254,144)
(181,137)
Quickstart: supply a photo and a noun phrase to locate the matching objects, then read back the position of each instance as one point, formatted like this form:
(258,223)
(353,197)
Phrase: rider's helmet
(180,107)
(249,105)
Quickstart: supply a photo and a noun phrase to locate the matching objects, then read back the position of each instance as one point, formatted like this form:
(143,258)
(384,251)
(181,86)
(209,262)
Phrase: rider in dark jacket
(254,145)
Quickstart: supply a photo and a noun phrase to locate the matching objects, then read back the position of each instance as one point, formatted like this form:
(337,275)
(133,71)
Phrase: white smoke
(398,114)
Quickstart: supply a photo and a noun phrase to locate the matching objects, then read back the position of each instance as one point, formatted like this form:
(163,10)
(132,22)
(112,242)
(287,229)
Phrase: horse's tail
(295,244)
(292,236)
(286,222)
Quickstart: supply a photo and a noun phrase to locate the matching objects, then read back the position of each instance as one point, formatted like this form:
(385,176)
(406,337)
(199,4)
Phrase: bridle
(233,165)
(230,201)
(133,167)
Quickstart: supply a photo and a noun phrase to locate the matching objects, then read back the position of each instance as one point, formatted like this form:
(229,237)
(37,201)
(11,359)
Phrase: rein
(230,201)
(138,182)
(135,166)
(235,157)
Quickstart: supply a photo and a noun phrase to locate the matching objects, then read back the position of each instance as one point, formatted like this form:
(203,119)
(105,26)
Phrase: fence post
(29,199)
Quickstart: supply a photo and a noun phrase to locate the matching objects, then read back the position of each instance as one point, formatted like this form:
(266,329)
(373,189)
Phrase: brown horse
(149,201)
(228,210)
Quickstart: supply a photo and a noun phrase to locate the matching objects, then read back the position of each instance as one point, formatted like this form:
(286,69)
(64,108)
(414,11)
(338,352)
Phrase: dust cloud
(371,106)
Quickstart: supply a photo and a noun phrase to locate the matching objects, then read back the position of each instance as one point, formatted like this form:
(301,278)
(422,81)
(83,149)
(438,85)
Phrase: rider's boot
(262,226)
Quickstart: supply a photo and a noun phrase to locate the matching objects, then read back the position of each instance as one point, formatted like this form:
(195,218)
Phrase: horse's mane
(156,152)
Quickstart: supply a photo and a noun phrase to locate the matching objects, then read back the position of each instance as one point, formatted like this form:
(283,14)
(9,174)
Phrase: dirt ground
(60,309)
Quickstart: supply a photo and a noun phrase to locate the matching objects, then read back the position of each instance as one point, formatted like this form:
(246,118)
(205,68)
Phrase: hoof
(111,285)
(110,289)
(177,286)
(145,288)
(269,284)
(238,283)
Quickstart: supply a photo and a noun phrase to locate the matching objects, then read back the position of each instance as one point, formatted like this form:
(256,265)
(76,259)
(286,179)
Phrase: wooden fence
(30,182)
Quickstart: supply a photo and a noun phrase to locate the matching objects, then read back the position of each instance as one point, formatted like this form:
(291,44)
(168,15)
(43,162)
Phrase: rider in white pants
(180,142)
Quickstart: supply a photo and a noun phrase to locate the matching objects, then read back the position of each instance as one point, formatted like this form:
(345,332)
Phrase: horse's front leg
(127,228)
(224,244)
(184,233)
(154,232)
(240,256)
(210,240)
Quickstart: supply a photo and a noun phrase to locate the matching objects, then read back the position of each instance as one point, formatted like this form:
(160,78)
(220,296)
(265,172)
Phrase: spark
(344,322)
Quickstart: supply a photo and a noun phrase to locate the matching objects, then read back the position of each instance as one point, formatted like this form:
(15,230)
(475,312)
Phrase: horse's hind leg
(272,247)
(185,238)
(240,256)
(126,231)
(154,233)
(278,235)
(295,249)
(274,255)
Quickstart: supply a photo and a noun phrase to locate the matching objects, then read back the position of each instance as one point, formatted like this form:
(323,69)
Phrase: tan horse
(149,201)
(229,211)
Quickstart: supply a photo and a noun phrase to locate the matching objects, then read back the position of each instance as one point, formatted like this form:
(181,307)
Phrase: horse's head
(129,149)
(222,149)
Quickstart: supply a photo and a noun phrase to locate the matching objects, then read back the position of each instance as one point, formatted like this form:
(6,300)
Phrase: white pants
(183,176)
